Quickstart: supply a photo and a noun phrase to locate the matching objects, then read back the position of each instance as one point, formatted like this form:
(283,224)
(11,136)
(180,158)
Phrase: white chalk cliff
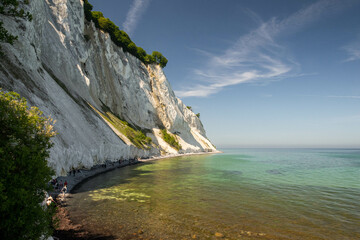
(72,79)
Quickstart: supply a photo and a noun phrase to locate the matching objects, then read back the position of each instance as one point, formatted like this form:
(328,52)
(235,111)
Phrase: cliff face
(76,80)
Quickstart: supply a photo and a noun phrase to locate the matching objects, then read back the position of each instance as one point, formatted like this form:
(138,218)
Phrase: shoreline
(66,229)
(178,155)
(77,177)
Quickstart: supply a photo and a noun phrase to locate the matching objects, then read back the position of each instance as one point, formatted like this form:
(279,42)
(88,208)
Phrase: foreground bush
(24,147)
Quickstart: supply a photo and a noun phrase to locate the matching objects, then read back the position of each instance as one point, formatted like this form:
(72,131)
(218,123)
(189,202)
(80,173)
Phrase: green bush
(87,10)
(5,36)
(171,140)
(107,26)
(95,17)
(121,38)
(11,8)
(149,59)
(159,59)
(141,53)
(24,148)
(131,48)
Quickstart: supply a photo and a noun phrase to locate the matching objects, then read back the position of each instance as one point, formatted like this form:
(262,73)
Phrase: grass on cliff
(137,137)
(170,139)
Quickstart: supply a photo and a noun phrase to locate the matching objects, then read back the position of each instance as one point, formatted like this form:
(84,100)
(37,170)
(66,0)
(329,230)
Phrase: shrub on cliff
(121,38)
(87,10)
(24,147)
(159,59)
(141,53)
(11,8)
(171,140)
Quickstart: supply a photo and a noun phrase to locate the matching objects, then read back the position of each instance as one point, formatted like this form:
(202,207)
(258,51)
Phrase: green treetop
(159,59)
(121,38)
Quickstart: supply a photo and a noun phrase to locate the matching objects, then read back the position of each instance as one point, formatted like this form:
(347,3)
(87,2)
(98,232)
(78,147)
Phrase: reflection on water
(242,194)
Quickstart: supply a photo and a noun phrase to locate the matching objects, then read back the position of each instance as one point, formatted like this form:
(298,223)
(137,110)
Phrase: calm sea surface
(240,194)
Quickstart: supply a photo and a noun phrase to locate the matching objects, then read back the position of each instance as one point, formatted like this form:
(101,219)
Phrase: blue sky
(261,73)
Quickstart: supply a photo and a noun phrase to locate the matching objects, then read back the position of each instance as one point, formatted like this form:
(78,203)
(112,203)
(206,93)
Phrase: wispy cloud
(331,96)
(353,51)
(136,10)
(257,56)
(352,97)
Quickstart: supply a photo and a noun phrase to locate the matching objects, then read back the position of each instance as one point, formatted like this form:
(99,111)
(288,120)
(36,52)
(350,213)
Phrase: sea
(238,194)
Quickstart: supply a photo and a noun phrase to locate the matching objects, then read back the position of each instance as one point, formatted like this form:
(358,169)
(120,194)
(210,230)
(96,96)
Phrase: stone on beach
(219,235)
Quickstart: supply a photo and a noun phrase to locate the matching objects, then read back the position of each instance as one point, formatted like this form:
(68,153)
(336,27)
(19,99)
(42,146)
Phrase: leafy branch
(11,8)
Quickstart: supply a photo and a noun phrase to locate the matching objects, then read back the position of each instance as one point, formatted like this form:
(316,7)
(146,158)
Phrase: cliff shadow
(110,178)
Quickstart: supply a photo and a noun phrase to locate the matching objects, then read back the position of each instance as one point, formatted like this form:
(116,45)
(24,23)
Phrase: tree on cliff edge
(24,148)
(159,59)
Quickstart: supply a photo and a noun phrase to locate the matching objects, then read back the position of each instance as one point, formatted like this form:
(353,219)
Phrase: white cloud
(198,91)
(256,56)
(353,51)
(136,10)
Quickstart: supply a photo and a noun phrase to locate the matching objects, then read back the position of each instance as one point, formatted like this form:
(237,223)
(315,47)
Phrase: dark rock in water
(234,172)
(274,171)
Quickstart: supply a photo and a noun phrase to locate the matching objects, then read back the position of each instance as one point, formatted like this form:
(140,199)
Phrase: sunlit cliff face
(58,70)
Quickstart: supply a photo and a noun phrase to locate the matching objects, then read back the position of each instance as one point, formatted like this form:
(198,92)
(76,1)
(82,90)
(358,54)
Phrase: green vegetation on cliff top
(121,38)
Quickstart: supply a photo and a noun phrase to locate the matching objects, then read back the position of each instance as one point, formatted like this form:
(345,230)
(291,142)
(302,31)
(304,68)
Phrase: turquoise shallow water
(242,194)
